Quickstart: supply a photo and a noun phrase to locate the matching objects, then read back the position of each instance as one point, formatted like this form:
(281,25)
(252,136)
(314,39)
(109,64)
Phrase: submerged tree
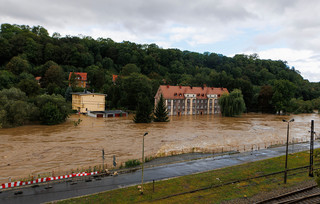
(144,110)
(53,109)
(283,92)
(161,113)
(232,104)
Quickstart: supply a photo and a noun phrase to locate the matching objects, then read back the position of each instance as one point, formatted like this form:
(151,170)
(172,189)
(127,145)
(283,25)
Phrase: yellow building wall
(88,102)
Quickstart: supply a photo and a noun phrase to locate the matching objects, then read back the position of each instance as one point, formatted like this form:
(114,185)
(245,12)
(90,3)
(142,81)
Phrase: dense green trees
(28,52)
(232,104)
(15,110)
(144,110)
(29,86)
(283,92)
(53,109)
(265,99)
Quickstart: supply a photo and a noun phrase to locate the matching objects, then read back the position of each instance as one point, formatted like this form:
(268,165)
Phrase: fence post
(311,149)
(153,185)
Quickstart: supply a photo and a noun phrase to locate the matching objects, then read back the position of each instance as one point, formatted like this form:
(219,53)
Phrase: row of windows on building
(180,94)
(193,107)
(193,112)
(188,101)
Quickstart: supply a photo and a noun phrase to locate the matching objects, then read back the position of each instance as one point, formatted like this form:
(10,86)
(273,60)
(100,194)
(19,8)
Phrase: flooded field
(35,149)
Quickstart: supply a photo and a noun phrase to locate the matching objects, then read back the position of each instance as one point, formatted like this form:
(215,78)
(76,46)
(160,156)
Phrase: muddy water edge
(36,149)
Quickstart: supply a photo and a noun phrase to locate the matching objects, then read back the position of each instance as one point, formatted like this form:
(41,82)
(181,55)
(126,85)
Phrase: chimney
(221,88)
(180,87)
(167,86)
(190,87)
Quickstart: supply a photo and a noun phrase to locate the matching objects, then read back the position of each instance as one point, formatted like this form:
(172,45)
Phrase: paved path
(66,190)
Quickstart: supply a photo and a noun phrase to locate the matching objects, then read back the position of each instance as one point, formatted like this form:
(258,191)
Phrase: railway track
(306,195)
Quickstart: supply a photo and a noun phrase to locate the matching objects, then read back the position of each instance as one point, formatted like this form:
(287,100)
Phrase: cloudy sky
(274,29)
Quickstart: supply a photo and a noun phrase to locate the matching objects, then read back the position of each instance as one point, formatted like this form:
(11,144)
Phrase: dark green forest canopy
(27,52)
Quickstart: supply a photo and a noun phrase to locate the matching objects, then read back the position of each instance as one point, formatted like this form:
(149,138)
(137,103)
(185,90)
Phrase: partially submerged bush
(132,163)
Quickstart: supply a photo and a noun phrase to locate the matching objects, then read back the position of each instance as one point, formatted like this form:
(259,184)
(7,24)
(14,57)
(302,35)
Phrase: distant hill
(29,52)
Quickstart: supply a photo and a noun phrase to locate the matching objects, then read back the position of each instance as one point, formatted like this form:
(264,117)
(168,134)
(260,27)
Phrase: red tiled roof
(114,77)
(177,92)
(38,78)
(83,75)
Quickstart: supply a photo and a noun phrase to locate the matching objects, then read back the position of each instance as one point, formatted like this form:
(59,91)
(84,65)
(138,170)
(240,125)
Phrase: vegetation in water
(132,163)
(232,104)
(144,110)
(161,112)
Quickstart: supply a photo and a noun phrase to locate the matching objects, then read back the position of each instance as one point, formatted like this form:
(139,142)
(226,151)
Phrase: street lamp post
(142,161)
(286,164)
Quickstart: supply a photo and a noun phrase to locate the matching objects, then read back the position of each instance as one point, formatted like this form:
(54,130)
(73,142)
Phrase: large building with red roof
(80,78)
(187,100)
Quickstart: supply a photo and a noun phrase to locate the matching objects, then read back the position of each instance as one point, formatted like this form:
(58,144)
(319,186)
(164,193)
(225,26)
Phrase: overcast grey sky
(275,29)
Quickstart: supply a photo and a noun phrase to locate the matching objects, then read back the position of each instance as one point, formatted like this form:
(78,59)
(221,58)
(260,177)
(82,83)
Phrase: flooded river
(35,149)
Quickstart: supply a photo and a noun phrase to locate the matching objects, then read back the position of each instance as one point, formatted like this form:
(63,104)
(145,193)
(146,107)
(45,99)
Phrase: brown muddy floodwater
(35,149)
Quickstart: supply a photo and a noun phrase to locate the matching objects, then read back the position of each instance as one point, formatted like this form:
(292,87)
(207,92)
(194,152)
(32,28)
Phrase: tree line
(28,52)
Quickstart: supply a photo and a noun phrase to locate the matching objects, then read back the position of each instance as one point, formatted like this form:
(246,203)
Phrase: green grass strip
(243,180)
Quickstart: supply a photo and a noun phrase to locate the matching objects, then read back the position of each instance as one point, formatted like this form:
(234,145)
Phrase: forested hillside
(28,52)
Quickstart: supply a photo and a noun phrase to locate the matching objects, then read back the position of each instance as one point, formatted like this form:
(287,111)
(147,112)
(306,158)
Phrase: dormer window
(180,94)
(175,94)
(202,94)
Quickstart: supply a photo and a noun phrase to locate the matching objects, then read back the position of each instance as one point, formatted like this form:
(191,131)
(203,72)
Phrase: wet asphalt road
(67,189)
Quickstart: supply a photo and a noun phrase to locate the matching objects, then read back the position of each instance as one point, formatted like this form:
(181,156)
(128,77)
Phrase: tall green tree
(96,77)
(53,109)
(7,79)
(232,104)
(144,110)
(29,86)
(68,95)
(130,68)
(283,92)
(17,65)
(73,80)
(54,75)
(265,99)
(132,86)
(161,113)
(15,110)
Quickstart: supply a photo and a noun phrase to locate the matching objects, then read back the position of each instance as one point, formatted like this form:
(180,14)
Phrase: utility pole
(142,162)
(102,160)
(311,149)
(286,163)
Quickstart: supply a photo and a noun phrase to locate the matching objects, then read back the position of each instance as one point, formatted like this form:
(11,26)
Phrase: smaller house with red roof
(114,78)
(38,79)
(188,100)
(79,78)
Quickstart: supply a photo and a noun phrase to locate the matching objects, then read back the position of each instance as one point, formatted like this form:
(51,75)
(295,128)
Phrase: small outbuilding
(107,114)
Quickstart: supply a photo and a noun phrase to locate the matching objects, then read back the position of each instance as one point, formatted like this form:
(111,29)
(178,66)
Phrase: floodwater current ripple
(37,149)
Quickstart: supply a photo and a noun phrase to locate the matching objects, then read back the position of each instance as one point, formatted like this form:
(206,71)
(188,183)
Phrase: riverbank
(77,187)
(217,185)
